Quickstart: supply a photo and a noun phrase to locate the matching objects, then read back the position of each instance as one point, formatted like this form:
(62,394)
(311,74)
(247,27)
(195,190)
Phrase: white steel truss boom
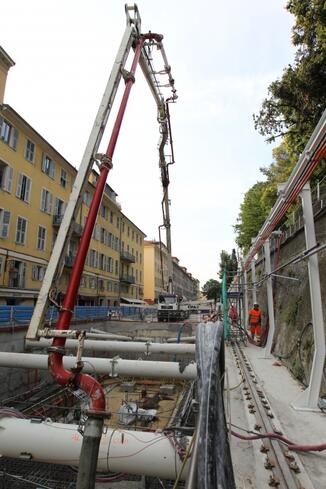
(55,264)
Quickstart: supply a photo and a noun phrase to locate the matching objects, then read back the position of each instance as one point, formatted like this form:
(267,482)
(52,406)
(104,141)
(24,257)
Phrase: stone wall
(293,337)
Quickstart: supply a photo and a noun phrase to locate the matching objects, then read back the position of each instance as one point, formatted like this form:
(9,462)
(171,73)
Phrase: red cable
(291,446)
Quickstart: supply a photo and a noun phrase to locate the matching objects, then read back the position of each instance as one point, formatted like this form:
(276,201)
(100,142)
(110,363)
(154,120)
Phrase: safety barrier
(21,315)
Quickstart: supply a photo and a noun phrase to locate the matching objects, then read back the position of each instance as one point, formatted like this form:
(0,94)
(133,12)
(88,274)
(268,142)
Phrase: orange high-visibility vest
(255,316)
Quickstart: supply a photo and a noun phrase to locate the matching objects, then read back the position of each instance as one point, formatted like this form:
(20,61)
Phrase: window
(63,178)
(136,256)
(111,217)
(140,258)
(48,166)
(133,235)
(116,267)
(102,261)
(21,230)
(46,201)
(93,258)
(41,238)
(1,264)
(23,187)
(38,272)
(87,198)
(140,275)
(6,173)
(137,238)
(92,283)
(83,282)
(128,233)
(136,275)
(123,226)
(118,222)
(60,207)
(8,133)
(104,211)
(29,151)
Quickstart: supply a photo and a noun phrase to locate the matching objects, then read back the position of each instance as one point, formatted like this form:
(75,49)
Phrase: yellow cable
(184,462)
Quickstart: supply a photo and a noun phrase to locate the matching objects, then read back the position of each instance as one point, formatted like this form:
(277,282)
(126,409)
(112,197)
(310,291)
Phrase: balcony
(77,228)
(127,279)
(126,256)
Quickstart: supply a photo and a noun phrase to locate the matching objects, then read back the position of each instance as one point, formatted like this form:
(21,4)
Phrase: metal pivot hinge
(127,76)
(104,161)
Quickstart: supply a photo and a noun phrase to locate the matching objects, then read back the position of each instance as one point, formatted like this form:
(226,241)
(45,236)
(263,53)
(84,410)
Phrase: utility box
(168,389)
(128,386)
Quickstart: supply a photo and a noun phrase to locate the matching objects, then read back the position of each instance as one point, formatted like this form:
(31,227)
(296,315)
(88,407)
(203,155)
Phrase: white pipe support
(131,452)
(121,347)
(253,279)
(109,366)
(270,300)
(309,399)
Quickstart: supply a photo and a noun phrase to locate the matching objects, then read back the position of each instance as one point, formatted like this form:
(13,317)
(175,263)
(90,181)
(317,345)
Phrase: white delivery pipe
(109,366)
(131,452)
(121,346)
(183,339)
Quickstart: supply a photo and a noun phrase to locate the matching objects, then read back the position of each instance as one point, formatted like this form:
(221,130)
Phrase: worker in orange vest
(233,314)
(255,322)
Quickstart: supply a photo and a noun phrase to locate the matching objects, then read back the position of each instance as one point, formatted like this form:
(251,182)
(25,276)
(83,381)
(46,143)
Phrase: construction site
(178,393)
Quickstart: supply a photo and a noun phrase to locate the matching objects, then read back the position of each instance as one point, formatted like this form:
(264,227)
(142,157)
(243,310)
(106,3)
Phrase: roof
(4,57)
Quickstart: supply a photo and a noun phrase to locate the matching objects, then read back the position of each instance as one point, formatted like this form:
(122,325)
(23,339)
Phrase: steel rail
(283,476)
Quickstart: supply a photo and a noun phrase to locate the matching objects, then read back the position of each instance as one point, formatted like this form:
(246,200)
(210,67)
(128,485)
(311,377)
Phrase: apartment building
(156,274)
(35,184)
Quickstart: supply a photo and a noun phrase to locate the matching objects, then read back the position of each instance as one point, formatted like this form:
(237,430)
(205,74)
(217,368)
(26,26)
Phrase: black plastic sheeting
(214,464)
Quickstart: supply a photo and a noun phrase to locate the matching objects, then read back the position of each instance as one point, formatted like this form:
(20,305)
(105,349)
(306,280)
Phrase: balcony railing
(127,279)
(126,256)
(77,228)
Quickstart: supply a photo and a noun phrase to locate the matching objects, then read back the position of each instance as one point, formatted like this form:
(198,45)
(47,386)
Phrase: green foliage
(230,264)
(212,289)
(296,101)
(251,217)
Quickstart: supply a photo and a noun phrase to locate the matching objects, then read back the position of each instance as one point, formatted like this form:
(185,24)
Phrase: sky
(223,56)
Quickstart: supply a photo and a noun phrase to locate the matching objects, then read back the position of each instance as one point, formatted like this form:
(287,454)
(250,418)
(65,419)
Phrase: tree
(230,264)
(212,289)
(251,217)
(296,101)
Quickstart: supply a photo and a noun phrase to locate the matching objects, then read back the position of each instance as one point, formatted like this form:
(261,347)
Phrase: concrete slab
(301,427)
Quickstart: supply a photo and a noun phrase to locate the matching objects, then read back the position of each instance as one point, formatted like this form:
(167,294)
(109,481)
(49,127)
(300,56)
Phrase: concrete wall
(292,303)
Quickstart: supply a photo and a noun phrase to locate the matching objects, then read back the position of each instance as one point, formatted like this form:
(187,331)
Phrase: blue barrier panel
(22,314)
(5,314)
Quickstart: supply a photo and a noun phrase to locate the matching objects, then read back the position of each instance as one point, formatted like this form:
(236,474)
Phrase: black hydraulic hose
(214,464)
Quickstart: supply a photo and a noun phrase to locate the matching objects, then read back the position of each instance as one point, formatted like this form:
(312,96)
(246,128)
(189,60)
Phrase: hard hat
(256,304)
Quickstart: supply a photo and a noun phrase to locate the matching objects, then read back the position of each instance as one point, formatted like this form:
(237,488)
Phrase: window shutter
(34,272)
(43,194)
(19,185)
(5,224)
(51,169)
(13,138)
(49,210)
(27,189)
(8,179)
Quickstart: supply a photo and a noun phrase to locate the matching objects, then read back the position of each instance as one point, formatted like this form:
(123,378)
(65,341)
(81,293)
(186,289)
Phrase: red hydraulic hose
(62,376)
(304,177)
(275,436)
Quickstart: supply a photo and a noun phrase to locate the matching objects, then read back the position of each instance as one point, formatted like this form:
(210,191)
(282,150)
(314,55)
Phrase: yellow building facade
(35,185)
(156,274)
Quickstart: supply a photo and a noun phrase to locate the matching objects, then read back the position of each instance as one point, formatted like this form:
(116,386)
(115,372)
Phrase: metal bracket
(127,75)
(105,160)
(114,362)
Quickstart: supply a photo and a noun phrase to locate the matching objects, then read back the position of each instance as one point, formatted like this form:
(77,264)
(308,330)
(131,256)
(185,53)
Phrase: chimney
(5,64)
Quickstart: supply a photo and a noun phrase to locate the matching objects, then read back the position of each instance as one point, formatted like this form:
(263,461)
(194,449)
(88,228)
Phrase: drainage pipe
(183,339)
(119,346)
(131,452)
(108,366)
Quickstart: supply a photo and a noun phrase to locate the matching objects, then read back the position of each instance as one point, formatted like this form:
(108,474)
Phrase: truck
(171,307)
